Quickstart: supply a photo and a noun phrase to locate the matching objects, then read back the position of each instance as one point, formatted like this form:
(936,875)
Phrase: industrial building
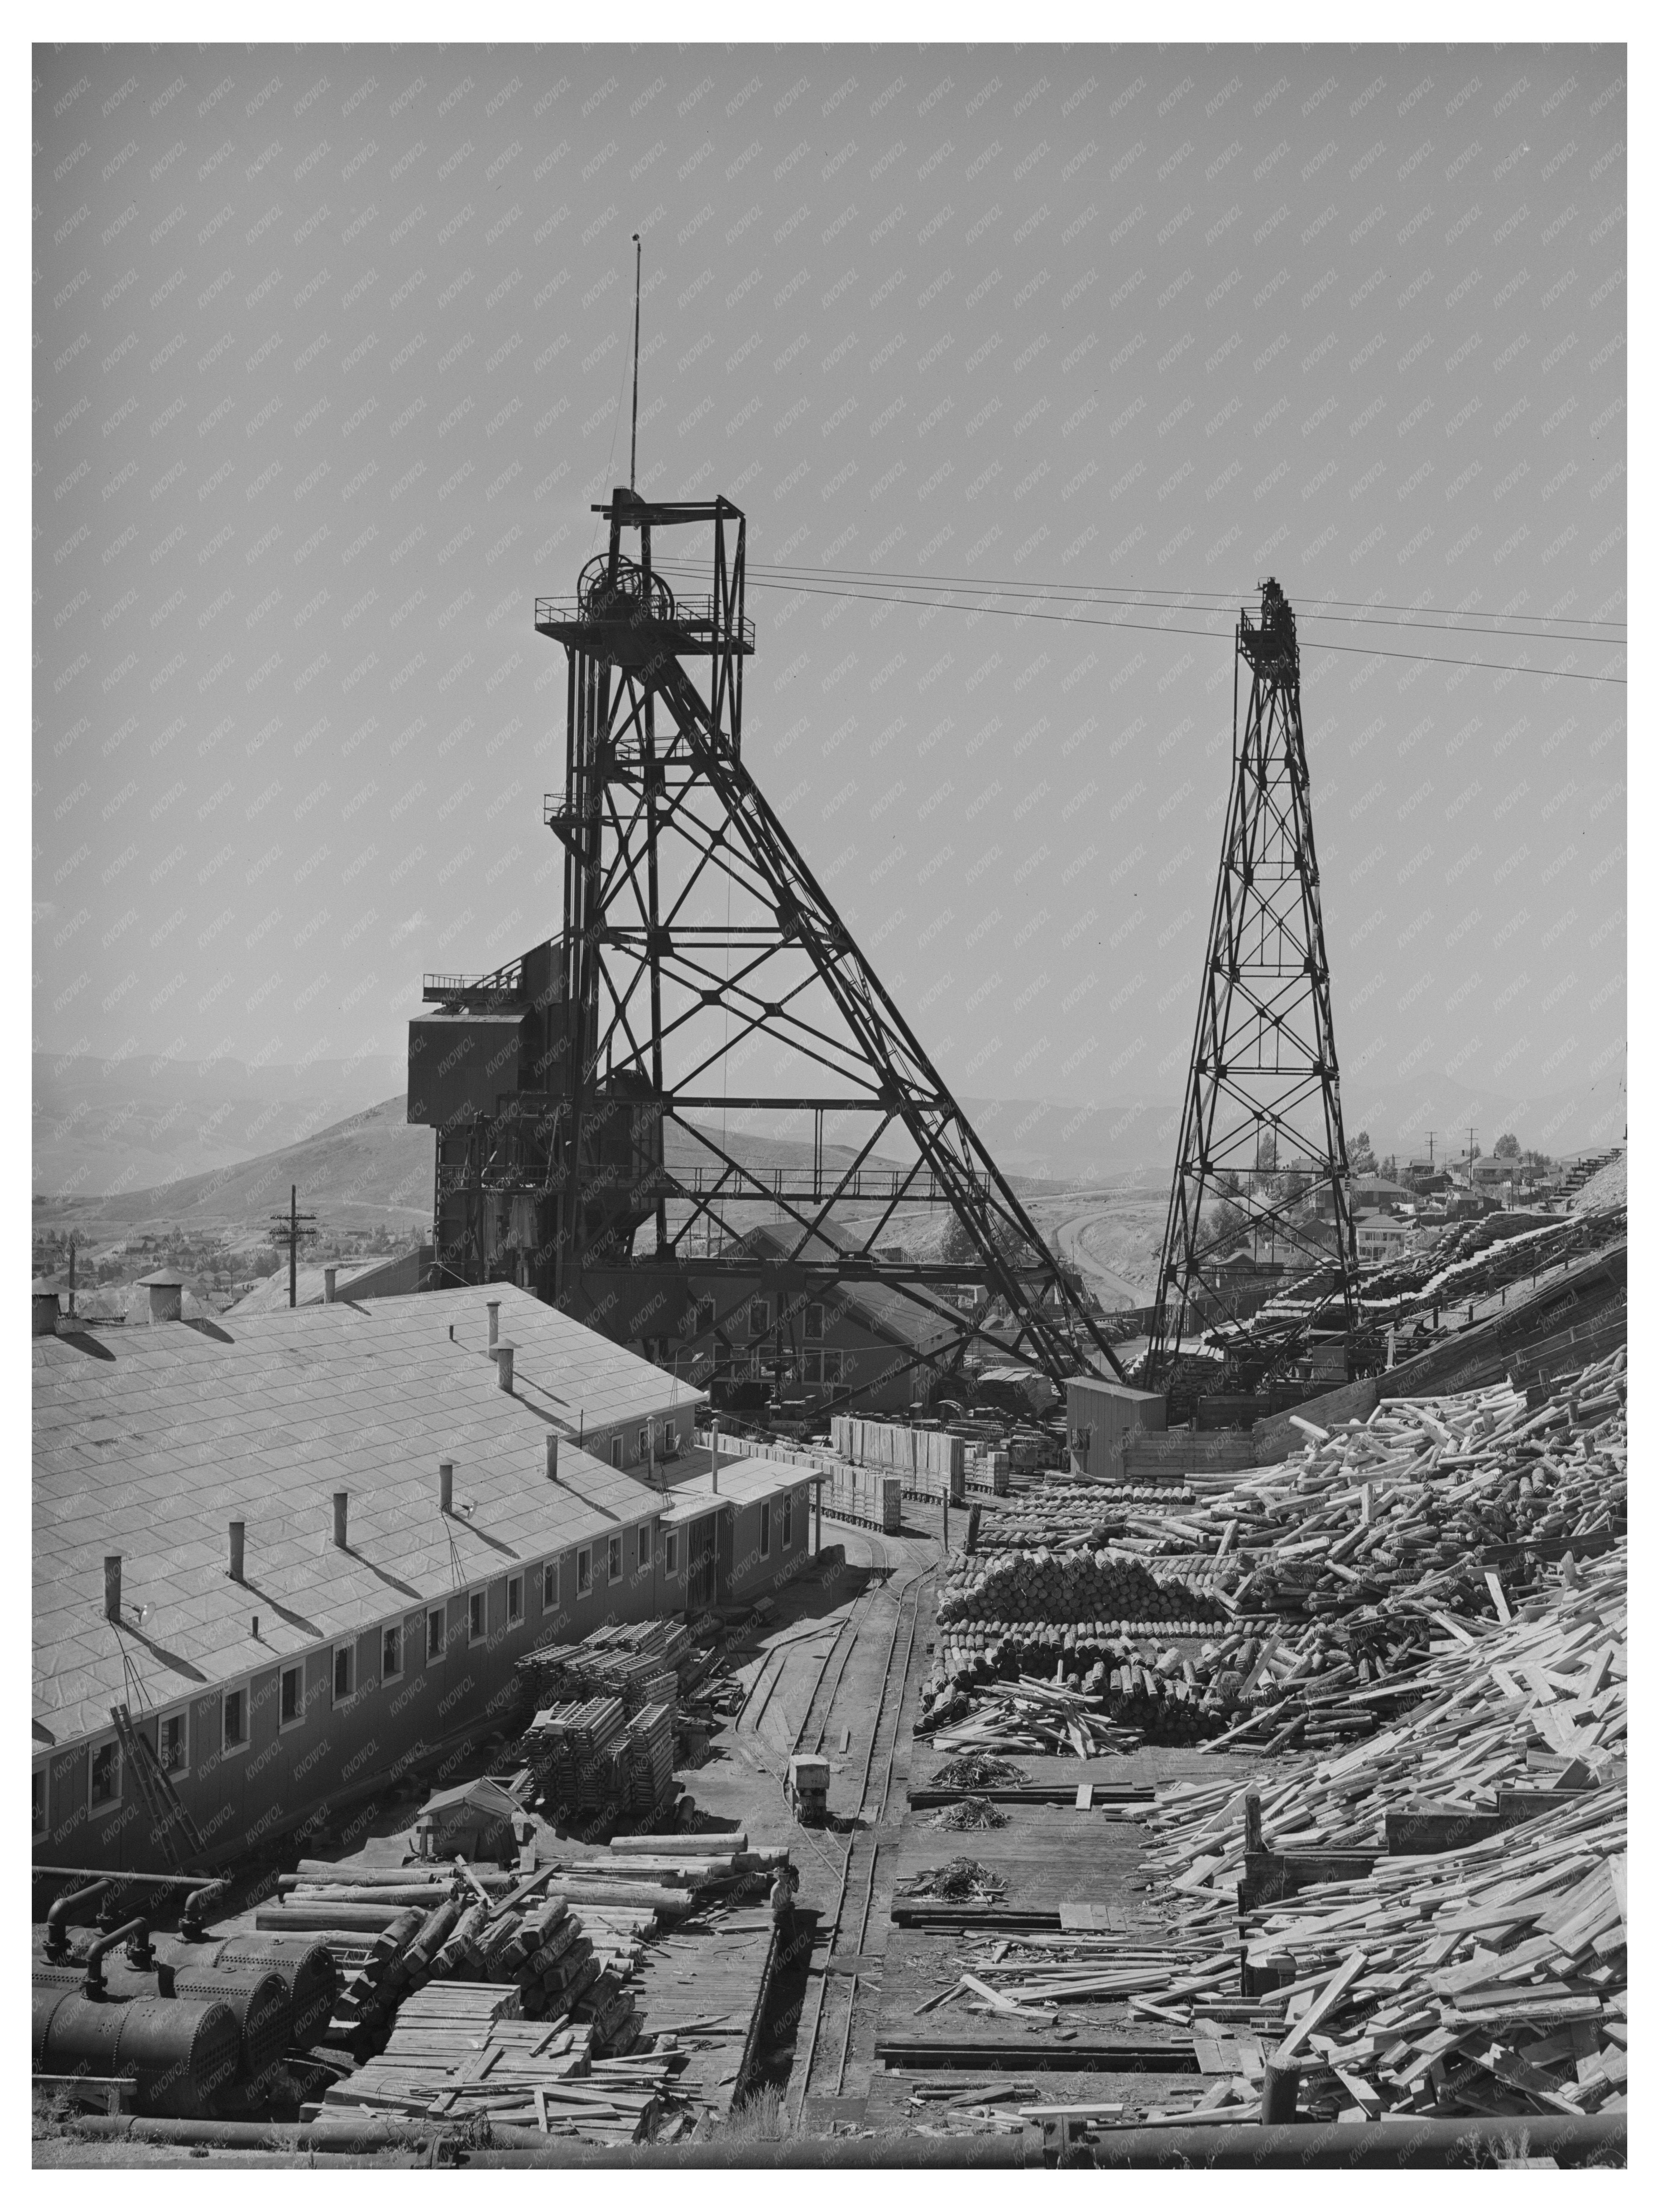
(307,1547)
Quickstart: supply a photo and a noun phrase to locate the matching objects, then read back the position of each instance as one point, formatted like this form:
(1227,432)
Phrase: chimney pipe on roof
(492,1307)
(113,1586)
(552,1455)
(502,1356)
(714,1451)
(328,1275)
(340,1497)
(446,1485)
(238,1540)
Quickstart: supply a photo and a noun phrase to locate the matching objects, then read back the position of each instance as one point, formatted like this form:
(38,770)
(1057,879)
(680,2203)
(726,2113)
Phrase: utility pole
(288,1229)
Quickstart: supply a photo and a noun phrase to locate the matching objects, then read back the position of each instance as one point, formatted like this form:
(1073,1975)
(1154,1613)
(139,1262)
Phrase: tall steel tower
(697,1118)
(1262,1165)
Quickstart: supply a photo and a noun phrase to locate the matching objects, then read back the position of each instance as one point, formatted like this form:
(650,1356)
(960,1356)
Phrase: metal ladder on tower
(178,1833)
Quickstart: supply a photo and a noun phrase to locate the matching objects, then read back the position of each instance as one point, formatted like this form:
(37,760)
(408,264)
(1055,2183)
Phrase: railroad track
(857,1886)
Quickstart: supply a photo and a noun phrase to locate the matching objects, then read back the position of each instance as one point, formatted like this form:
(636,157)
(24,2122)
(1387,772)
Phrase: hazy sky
(330,355)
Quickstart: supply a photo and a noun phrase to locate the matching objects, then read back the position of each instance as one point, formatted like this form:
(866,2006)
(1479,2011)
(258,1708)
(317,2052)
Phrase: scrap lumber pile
(1487,1979)
(963,1881)
(1033,1976)
(977,1769)
(1539,1702)
(1468,1954)
(461,2052)
(1340,1567)
(1025,1715)
(970,1812)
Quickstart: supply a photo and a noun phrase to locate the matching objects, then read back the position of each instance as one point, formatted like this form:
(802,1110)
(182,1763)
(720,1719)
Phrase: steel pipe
(1414,2142)
(527,2147)
(134,1933)
(58,1917)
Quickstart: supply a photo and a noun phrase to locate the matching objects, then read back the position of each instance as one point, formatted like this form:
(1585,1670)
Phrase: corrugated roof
(149,1441)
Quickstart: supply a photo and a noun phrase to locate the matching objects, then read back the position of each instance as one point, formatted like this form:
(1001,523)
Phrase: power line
(800,576)
(1176,629)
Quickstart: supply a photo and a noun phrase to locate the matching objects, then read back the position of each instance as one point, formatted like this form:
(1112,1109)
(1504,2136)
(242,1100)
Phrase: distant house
(1379,1238)
(395,1275)
(1374,1193)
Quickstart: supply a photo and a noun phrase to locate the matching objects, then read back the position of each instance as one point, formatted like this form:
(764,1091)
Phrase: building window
(550,1586)
(705,1317)
(391,1652)
(832,1367)
(613,1558)
(766,1529)
(642,1444)
(616,1451)
(811,1367)
(105,1775)
(345,1671)
(514,1599)
(671,1440)
(172,1742)
(760,1316)
(814,1321)
(235,1720)
(38,1802)
(671,1551)
(645,1546)
(477,1615)
(584,1571)
(788,1518)
(291,1709)
(434,1633)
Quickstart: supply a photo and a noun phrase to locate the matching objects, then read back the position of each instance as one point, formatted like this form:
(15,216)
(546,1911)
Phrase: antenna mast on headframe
(633,434)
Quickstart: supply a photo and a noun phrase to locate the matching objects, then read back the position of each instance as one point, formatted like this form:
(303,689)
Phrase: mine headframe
(642,1158)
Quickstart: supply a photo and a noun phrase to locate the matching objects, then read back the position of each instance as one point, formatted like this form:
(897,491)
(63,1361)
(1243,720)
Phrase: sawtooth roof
(149,1441)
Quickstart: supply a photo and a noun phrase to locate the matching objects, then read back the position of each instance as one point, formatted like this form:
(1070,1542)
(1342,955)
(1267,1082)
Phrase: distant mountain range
(131,1143)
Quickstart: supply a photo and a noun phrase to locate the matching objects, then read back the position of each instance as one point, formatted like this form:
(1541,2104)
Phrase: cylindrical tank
(182,2052)
(259,1998)
(306,1965)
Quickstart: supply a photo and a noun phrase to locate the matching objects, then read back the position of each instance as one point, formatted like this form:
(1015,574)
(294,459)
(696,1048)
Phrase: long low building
(306,1548)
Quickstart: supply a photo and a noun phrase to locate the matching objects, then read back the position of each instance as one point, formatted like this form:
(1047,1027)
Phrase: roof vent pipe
(113,1586)
(445,1486)
(329,1275)
(492,1307)
(552,1456)
(503,1358)
(238,1542)
(340,1497)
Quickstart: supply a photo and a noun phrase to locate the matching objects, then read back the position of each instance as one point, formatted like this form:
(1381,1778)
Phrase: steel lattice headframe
(706,971)
(1263,1161)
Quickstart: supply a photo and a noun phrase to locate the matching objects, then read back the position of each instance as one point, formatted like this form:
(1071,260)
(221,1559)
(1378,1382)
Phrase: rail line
(888,1722)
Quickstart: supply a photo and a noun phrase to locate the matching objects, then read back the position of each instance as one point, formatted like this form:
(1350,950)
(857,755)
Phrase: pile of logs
(1069,1585)
(1467,1261)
